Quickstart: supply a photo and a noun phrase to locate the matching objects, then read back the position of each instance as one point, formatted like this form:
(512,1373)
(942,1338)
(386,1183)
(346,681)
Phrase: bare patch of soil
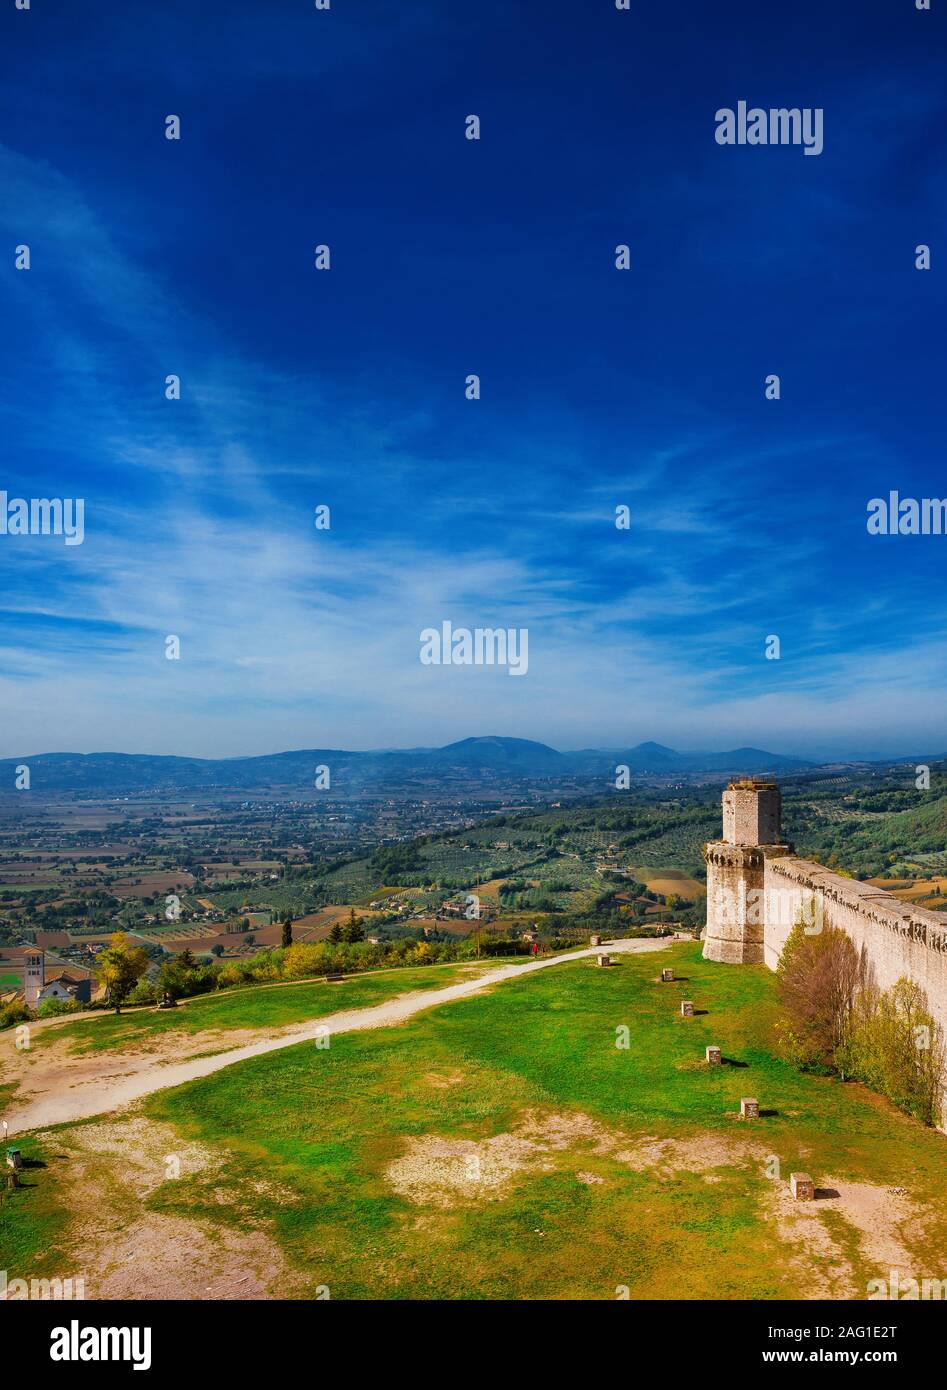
(434,1170)
(441,1172)
(146,1154)
(880,1220)
(563,1130)
(818,1261)
(127,1252)
(693,1154)
(164,1256)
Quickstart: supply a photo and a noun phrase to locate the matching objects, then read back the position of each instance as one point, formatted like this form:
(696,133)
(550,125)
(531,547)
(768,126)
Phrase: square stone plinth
(603,960)
(750,1108)
(687,1008)
(667,976)
(713,1056)
(802,1187)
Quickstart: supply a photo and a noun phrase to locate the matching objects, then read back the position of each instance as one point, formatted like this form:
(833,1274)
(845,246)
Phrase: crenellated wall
(897,939)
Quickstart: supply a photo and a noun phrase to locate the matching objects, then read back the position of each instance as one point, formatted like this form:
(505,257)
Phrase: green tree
(287,936)
(119,968)
(354,929)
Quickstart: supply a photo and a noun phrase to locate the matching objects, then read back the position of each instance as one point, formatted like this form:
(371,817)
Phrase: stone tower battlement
(752,811)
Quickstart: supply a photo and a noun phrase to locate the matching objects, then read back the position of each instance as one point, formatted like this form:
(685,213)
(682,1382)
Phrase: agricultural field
(501,1146)
(315,926)
(147,884)
(920,892)
(670,882)
(171,932)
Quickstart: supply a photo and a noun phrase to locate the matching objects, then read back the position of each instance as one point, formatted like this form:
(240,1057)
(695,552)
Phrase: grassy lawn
(254,1007)
(330,1151)
(324,1128)
(33,1221)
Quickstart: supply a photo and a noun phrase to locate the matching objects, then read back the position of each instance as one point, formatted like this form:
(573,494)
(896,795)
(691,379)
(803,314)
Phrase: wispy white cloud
(200,524)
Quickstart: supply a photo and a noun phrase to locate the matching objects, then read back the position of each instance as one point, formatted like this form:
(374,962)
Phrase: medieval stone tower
(758,889)
(735,872)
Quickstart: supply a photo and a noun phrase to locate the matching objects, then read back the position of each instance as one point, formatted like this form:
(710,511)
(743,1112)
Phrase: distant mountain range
(124,773)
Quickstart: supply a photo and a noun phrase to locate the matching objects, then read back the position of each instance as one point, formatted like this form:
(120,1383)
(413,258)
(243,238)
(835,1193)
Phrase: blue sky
(449,257)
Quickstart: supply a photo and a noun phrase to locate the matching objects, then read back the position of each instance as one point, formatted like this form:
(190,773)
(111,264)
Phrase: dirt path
(102,1085)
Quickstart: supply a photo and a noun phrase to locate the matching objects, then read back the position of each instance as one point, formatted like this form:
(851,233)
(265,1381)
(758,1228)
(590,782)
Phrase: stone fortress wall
(757,889)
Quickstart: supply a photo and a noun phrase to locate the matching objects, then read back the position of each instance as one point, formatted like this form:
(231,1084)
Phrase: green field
(267,1006)
(493,1148)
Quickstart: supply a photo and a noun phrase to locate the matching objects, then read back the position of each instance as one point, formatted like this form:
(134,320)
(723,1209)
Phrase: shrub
(181,977)
(894,1045)
(265,967)
(50,1008)
(14,1012)
(143,993)
(235,972)
(500,946)
(302,959)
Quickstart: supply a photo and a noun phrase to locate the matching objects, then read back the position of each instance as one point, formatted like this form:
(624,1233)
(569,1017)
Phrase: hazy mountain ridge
(295,769)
